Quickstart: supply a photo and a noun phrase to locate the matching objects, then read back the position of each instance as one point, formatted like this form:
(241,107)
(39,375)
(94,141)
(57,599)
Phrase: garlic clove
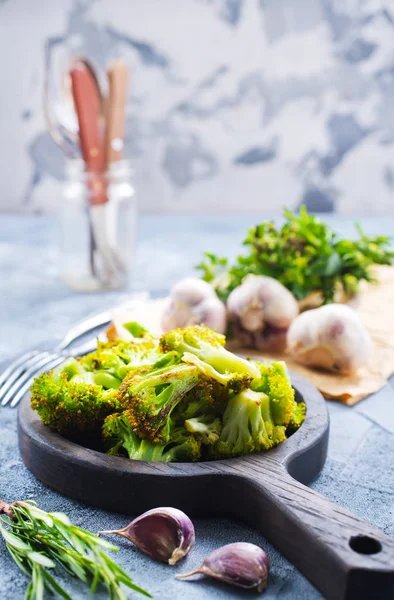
(261,310)
(193,301)
(192,291)
(241,564)
(331,337)
(165,534)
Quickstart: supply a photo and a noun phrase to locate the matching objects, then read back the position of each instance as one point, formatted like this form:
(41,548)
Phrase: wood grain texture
(266,490)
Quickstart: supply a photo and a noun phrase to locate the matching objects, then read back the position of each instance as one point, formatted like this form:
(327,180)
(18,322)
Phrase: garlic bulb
(241,564)
(165,534)
(331,337)
(193,301)
(261,310)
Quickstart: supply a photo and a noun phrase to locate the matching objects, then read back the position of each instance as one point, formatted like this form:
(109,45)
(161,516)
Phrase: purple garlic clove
(241,564)
(165,534)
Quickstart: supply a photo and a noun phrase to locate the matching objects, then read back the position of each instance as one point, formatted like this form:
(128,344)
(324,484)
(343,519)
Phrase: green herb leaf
(59,516)
(53,586)
(14,540)
(41,559)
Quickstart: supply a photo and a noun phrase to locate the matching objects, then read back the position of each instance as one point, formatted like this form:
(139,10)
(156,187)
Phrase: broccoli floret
(152,395)
(206,428)
(116,356)
(248,426)
(203,348)
(275,382)
(71,407)
(183,447)
(75,371)
(105,358)
(297,418)
(119,436)
(71,367)
(111,362)
(207,398)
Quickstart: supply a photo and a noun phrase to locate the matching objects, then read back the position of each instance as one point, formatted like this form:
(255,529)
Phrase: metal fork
(25,367)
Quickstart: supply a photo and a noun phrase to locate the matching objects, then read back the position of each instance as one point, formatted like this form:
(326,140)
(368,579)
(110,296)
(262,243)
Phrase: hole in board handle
(363,544)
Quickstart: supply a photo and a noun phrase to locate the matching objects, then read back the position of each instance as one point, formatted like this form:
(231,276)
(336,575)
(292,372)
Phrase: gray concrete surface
(35,305)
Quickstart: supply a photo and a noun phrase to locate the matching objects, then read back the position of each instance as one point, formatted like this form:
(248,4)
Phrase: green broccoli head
(206,428)
(105,358)
(112,361)
(116,356)
(248,426)
(151,395)
(75,371)
(275,382)
(206,398)
(297,418)
(71,407)
(183,447)
(203,348)
(120,439)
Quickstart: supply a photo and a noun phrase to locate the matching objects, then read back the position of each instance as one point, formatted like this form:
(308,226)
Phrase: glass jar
(97,227)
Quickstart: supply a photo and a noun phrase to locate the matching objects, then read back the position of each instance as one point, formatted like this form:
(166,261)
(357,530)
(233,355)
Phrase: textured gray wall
(234,103)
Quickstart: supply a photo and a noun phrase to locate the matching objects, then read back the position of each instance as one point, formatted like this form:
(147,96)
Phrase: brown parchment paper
(375,306)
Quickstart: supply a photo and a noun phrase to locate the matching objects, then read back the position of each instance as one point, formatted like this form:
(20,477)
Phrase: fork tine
(29,374)
(25,387)
(15,364)
(18,372)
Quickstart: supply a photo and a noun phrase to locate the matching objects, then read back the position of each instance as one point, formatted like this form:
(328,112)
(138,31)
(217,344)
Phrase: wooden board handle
(345,557)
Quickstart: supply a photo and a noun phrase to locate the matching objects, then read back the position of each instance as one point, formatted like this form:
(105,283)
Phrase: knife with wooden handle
(87,100)
(115,110)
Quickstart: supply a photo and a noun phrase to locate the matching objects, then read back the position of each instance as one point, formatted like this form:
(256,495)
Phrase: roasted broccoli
(206,398)
(297,418)
(181,398)
(183,447)
(151,395)
(207,428)
(75,371)
(119,436)
(120,356)
(203,348)
(71,407)
(248,426)
(275,382)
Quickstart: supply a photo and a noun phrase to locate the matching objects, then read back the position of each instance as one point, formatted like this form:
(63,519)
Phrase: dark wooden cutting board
(343,555)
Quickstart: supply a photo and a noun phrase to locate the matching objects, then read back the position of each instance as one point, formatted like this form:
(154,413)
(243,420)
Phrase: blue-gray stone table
(35,305)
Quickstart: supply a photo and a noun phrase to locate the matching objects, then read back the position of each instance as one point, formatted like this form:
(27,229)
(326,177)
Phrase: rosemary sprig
(39,541)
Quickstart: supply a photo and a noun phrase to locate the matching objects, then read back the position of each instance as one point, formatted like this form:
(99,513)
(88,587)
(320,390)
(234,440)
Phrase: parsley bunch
(305,255)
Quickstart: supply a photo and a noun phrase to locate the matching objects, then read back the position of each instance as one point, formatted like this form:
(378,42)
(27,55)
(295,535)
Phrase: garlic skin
(193,301)
(166,534)
(331,337)
(261,310)
(241,564)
